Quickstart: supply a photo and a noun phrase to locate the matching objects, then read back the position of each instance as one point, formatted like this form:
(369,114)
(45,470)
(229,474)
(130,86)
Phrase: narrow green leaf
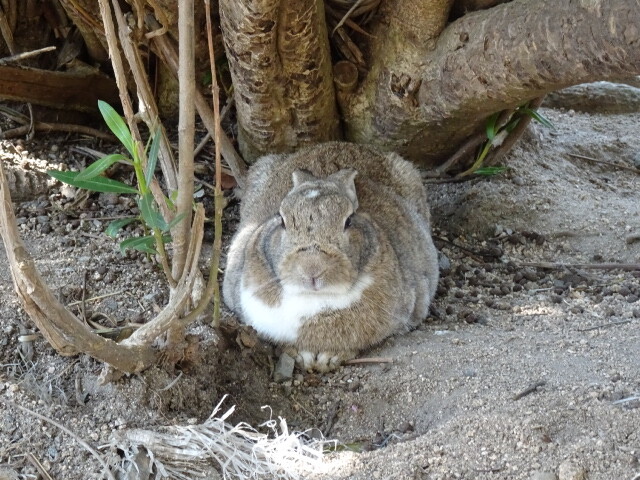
(491,125)
(538,117)
(115,226)
(96,184)
(143,244)
(149,212)
(99,166)
(174,222)
(117,125)
(172,199)
(152,158)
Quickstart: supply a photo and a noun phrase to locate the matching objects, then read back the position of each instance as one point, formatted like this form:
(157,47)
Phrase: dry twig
(56,127)
(606,325)
(25,55)
(358,361)
(529,390)
(602,162)
(82,443)
(586,266)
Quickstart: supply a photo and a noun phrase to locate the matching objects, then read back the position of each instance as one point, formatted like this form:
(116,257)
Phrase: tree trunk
(280,63)
(426,101)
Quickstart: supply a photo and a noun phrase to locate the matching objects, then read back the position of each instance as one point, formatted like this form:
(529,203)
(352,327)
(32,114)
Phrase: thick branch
(186,129)
(492,60)
(279,58)
(56,89)
(66,334)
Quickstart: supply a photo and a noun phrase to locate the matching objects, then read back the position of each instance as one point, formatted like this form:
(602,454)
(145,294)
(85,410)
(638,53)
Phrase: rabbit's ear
(300,176)
(345,180)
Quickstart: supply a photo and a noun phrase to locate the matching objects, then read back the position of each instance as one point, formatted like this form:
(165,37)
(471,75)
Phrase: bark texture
(485,62)
(278,53)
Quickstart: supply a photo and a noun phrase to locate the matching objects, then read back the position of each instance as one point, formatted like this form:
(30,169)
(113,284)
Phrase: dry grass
(239,452)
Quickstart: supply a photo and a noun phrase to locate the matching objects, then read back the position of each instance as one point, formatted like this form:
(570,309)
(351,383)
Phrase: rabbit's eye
(347,222)
(282,221)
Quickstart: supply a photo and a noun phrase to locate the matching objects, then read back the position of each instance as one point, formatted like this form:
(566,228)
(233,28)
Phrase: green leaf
(174,222)
(172,199)
(144,244)
(491,125)
(538,117)
(99,166)
(96,184)
(512,124)
(152,158)
(149,212)
(115,226)
(117,125)
(490,171)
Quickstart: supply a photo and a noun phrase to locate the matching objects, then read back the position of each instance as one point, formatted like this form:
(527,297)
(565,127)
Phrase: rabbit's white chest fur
(281,323)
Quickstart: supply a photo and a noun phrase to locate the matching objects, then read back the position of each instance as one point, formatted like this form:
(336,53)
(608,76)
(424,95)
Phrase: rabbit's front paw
(321,361)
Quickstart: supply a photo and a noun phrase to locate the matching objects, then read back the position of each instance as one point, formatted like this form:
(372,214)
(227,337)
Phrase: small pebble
(571,471)
(284,368)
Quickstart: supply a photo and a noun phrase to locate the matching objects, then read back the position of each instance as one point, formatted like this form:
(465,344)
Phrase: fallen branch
(529,390)
(602,162)
(606,325)
(25,55)
(57,127)
(61,90)
(83,444)
(586,266)
(358,361)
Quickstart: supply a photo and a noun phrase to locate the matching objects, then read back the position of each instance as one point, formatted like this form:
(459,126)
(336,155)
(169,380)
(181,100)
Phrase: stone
(596,97)
(284,368)
(569,470)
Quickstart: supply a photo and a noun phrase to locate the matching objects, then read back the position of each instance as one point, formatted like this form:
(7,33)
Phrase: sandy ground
(522,372)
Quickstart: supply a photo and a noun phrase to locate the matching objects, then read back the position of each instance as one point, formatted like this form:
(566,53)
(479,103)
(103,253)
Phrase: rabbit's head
(320,237)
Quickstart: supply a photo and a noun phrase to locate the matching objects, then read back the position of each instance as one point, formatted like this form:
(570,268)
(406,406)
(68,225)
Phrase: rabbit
(333,252)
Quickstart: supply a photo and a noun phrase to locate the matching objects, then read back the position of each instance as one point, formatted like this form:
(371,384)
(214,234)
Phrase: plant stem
(218,197)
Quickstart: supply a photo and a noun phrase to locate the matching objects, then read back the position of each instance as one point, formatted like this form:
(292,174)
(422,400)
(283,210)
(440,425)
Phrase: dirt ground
(522,372)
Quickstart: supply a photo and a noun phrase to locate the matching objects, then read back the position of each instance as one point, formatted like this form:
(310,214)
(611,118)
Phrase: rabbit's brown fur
(333,252)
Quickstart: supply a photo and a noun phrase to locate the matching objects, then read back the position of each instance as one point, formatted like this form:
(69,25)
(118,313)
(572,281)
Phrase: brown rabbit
(333,252)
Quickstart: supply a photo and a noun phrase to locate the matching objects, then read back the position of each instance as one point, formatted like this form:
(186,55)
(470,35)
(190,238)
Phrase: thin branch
(346,16)
(57,127)
(602,162)
(218,197)
(36,463)
(472,143)
(7,33)
(149,112)
(359,361)
(606,325)
(515,134)
(186,131)
(529,390)
(585,266)
(25,55)
(180,296)
(82,443)
(119,70)
(165,49)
